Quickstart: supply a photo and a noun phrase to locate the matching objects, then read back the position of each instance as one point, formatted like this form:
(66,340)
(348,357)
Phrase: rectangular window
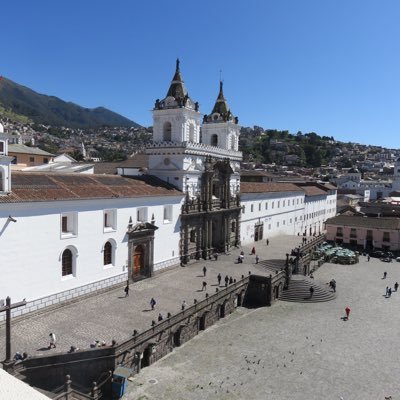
(279,203)
(339,232)
(69,224)
(167,214)
(284,203)
(277,224)
(273,203)
(259,207)
(141,214)
(64,224)
(31,159)
(45,160)
(1,147)
(251,208)
(243,209)
(266,205)
(386,236)
(369,235)
(109,220)
(353,233)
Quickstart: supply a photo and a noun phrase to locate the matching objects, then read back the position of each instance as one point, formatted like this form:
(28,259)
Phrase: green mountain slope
(51,110)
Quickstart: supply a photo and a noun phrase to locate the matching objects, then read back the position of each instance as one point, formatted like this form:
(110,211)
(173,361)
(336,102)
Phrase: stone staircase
(299,291)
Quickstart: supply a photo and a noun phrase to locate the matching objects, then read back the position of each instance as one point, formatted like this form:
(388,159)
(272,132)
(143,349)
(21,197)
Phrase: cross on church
(7,308)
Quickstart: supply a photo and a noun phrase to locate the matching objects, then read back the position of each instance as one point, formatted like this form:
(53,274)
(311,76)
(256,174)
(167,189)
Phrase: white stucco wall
(31,248)
(277,218)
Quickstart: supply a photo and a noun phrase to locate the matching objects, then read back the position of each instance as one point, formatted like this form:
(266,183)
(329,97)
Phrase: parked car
(377,254)
(389,254)
(386,259)
(398,259)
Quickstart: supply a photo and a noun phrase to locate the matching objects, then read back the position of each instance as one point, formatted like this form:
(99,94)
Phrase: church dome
(221,111)
(177,96)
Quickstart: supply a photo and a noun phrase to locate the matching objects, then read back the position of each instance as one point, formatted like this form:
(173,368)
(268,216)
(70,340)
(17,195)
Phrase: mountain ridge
(52,110)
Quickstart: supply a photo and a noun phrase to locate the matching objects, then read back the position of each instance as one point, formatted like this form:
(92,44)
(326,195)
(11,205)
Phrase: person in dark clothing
(204,271)
(226,280)
(311,291)
(219,277)
(204,287)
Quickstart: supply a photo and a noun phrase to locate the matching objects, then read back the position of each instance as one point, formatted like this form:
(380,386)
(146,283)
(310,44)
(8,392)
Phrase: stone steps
(299,291)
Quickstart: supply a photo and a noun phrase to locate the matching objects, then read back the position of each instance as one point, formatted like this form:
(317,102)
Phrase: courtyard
(287,351)
(291,350)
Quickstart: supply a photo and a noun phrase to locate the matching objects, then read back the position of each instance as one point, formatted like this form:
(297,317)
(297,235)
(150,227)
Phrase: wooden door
(138,258)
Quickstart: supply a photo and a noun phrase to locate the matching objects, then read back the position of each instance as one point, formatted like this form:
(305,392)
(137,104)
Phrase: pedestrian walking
(226,280)
(257,259)
(384,275)
(204,287)
(184,304)
(347,310)
(267,242)
(152,303)
(390,292)
(160,317)
(126,290)
(253,251)
(396,286)
(368,257)
(387,290)
(204,271)
(230,280)
(219,277)
(311,291)
(53,340)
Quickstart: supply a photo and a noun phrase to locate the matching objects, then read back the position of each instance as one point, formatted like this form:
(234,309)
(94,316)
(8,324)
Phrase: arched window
(214,140)
(191,133)
(66,262)
(107,253)
(167,129)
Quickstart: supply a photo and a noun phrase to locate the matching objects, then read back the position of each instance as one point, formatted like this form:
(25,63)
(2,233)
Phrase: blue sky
(332,67)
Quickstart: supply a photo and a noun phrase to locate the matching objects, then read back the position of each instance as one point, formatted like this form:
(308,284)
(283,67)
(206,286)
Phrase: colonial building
(203,165)
(365,232)
(65,235)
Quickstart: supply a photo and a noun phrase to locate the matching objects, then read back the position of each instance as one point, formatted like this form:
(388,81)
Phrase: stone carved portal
(141,251)
(210,223)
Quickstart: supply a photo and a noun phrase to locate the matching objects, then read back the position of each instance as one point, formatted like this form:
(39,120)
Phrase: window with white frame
(141,214)
(251,208)
(109,220)
(69,224)
(167,214)
(266,205)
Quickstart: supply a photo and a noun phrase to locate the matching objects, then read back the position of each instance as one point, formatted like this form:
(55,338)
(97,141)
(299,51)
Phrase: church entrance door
(138,261)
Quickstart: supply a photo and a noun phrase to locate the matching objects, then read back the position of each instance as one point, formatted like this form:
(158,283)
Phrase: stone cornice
(200,149)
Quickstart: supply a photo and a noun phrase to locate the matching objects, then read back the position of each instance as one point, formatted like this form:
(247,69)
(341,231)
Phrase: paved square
(293,351)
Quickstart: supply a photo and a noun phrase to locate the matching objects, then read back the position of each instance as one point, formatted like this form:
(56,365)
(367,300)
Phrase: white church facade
(68,235)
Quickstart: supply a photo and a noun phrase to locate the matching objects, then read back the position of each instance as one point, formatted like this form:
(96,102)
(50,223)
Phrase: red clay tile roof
(312,190)
(364,222)
(263,187)
(31,186)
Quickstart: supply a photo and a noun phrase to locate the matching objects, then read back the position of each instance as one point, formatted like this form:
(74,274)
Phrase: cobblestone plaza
(287,351)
